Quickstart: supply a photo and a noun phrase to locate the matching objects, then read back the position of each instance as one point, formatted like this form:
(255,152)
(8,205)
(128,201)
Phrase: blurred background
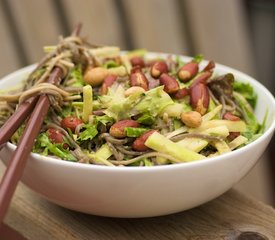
(237,33)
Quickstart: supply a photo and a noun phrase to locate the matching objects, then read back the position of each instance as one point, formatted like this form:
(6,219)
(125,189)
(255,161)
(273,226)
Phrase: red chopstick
(15,121)
(16,166)
(19,158)
(9,233)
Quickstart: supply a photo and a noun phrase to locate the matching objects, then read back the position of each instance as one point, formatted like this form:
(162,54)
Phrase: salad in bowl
(136,133)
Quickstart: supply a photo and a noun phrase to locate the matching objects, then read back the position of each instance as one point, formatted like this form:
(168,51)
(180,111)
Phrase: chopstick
(15,121)
(9,233)
(19,158)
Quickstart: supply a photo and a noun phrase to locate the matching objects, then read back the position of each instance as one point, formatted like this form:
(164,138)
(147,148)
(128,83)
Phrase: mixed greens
(132,109)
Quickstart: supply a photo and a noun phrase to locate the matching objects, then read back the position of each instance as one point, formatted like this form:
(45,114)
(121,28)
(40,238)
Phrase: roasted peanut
(233,135)
(188,71)
(137,61)
(201,78)
(139,79)
(181,93)
(71,122)
(138,144)
(134,89)
(117,130)
(191,119)
(136,69)
(95,76)
(107,82)
(230,116)
(170,84)
(210,66)
(158,68)
(119,71)
(199,98)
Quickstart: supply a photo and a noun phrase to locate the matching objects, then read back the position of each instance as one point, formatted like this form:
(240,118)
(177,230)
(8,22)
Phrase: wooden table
(231,216)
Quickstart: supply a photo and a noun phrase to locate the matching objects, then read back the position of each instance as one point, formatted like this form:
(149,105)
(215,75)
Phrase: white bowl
(143,191)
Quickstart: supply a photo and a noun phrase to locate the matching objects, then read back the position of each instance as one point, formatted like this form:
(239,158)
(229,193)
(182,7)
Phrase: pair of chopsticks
(38,107)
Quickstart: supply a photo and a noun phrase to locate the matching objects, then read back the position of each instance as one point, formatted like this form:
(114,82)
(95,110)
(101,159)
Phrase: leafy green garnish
(250,119)
(146,119)
(54,148)
(67,111)
(247,91)
(151,102)
(89,133)
(76,74)
(198,58)
(147,162)
(103,120)
(263,125)
(137,52)
(177,123)
(110,64)
(135,132)
(179,61)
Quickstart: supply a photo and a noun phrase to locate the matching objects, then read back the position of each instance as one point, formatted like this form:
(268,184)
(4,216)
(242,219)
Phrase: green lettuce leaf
(146,119)
(247,91)
(110,64)
(89,133)
(103,120)
(250,118)
(43,141)
(135,132)
(151,102)
(76,73)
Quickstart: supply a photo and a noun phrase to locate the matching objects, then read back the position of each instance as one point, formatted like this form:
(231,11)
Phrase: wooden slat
(262,24)
(8,60)
(156,25)
(36,23)
(220,32)
(100,20)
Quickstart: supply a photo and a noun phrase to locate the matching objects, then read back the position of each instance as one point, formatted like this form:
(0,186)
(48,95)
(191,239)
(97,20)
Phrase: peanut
(95,76)
(230,116)
(201,78)
(191,119)
(158,68)
(137,61)
(210,66)
(117,130)
(136,69)
(181,93)
(199,98)
(139,79)
(119,71)
(107,82)
(233,135)
(138,144)
(188,71)
(134,89)
(170,84)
